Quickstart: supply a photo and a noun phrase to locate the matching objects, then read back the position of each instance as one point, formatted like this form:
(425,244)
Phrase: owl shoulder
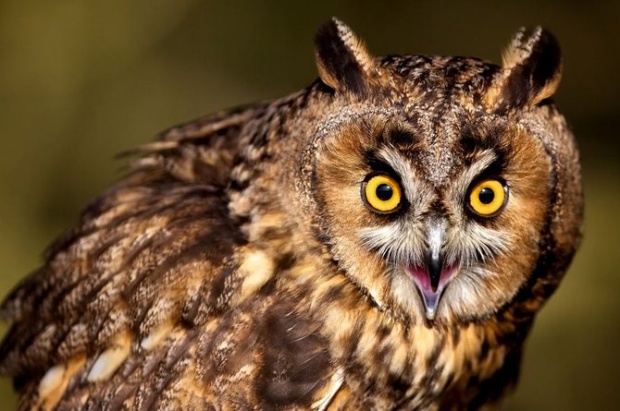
(157,248)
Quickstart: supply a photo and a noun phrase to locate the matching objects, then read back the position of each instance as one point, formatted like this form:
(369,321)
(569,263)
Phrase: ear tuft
(342,59)
(531,70)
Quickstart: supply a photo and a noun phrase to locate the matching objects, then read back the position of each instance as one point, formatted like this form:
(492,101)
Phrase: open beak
(433,275)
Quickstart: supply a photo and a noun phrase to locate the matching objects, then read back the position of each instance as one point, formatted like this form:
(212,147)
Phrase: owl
(380,240)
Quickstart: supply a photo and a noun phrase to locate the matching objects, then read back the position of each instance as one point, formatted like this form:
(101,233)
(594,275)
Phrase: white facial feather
(396,242)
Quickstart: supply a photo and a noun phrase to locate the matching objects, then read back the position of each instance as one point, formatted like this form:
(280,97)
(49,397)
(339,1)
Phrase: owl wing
(139,305)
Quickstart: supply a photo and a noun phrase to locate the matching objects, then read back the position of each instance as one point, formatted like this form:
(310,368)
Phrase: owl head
(445,187)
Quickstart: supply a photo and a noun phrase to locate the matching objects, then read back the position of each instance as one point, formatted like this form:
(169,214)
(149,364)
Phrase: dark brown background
(83,80)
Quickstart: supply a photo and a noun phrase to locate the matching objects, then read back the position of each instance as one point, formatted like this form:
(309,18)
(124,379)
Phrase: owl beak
(432,277)
(434,265)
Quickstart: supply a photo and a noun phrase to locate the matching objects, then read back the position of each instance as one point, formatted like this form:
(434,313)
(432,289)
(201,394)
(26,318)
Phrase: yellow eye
(487,197)
(382,193)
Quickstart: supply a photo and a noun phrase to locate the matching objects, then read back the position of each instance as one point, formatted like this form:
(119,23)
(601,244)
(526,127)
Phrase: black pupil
(486,195)
(384,192)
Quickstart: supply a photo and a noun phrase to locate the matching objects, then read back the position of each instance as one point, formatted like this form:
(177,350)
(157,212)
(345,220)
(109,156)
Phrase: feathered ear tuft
(342,59)
(531,70)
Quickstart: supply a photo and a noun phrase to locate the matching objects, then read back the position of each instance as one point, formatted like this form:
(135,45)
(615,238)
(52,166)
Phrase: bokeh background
(83,80)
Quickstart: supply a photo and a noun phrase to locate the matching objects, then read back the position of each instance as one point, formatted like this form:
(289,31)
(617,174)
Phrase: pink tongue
(423,282)
(421,277)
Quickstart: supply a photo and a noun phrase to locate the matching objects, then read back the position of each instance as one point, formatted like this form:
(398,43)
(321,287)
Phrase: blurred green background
(83,80)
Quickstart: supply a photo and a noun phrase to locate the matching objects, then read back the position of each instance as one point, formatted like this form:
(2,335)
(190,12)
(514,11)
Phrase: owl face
(435,228)
(434,185)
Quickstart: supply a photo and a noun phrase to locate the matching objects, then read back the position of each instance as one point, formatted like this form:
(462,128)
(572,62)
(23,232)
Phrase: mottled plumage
(251,260)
